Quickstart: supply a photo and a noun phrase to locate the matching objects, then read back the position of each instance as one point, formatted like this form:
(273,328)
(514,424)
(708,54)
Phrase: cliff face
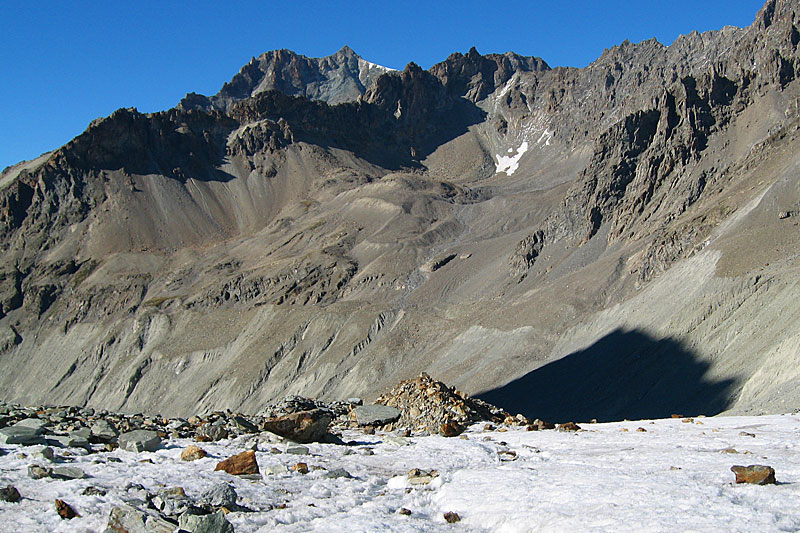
(327,227)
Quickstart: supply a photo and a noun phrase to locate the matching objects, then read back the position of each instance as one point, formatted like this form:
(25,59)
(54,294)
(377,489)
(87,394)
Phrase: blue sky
(63,64)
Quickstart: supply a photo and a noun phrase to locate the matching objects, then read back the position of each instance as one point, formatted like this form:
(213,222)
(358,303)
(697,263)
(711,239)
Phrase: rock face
(325,227)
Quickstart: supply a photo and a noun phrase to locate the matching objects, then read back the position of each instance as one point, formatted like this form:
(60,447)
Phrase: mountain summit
(613,241)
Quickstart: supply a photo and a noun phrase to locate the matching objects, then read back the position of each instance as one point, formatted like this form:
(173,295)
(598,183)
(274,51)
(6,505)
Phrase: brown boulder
(451,517)
(754,474)
(303,426)
(569,426)
(451,429)
(240,464)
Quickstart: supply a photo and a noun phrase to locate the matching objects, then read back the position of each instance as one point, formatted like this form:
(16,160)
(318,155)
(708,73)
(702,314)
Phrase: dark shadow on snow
(624,375)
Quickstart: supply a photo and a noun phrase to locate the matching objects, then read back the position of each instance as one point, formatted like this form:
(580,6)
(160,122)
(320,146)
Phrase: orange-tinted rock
(451,517)
(303,426)
(569,426)
(240,464)
(754,474)
(450,429)
(66,511)
(300,468)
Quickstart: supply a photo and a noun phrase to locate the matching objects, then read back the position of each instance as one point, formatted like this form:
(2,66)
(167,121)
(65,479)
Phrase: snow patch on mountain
(510,163)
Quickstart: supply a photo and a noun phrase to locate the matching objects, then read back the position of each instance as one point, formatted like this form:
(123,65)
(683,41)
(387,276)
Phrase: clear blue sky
(63,64)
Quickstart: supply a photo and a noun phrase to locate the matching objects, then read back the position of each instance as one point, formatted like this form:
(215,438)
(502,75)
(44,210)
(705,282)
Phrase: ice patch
(510,163)
(546,136)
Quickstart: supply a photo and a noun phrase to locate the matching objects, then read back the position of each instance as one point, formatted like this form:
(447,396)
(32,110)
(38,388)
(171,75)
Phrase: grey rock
(171,502)
(298,450)
(213,432)
(10,494)
(33,423)
(375,415)
(104,431)
(67,472)
(67,441)
(82,433)
(210,523)
(244,424)
(46,453)
(127,519)
(220,495)
(338,473)
(140,440)
(21,435)
(276,470)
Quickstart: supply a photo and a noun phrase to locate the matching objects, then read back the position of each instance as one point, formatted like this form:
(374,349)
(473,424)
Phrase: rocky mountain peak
(340,77)
(475,76)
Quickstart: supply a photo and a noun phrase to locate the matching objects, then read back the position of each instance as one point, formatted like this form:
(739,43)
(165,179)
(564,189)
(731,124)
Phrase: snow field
(673,477)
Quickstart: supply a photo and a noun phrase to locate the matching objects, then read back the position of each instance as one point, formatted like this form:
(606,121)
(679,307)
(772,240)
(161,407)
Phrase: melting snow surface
(675,476)
(510,163)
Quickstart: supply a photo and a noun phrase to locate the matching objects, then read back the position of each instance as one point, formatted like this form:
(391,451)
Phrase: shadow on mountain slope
(624,375)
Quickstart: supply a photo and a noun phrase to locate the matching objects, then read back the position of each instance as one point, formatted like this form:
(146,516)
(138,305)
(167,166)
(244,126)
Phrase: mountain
(618,240)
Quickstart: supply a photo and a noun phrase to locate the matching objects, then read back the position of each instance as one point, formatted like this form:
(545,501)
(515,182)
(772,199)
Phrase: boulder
(193,453)
(754,474)
(103,431)
(210,523)
(376,415)
(220,495)
(24,435)
(140,440)
(10,494)
(210,432)
(127,519)
(240,464)
(67,472)
(68,441)
(302,427)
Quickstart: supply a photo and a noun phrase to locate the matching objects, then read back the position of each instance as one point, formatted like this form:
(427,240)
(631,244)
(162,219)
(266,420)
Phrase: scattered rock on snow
(239,464)
(67,472)
(10,494)
(300,468)
(127,519)
(210,523)
(65,510)
(754,474)
(140,440)
(421,477)
(193,453)
(568,426)
(220,495)
(38,472)
(451,517)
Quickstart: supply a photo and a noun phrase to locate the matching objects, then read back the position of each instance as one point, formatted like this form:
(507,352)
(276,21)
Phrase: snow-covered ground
(675,476)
